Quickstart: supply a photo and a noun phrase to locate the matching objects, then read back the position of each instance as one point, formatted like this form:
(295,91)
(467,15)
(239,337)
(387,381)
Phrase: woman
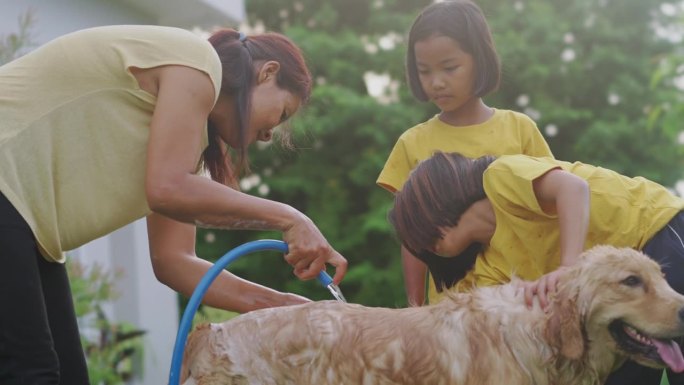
(107,125)
(532,217)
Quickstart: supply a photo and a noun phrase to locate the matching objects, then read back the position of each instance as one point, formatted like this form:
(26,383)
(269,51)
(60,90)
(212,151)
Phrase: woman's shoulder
(145,41)
(132,34)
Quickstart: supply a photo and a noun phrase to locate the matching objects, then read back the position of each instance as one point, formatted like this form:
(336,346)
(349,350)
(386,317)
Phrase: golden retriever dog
(614,304)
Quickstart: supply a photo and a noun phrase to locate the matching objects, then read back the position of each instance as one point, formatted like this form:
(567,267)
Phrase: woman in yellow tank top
(107,125)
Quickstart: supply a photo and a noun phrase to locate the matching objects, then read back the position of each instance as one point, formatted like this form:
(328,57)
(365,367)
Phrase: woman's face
(271,106)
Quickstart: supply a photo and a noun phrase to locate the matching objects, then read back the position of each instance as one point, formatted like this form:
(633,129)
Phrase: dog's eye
(632,281)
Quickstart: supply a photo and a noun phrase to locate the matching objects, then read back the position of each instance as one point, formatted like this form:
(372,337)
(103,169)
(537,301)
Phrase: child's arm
(414,277)
(567,196)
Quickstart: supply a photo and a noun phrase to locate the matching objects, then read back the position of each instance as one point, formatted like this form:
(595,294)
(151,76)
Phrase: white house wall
(58,17)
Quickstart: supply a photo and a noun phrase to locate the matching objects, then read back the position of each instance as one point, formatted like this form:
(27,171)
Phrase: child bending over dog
(531,217)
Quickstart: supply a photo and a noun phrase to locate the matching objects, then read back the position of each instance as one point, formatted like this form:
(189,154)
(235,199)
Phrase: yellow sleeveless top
(75,126)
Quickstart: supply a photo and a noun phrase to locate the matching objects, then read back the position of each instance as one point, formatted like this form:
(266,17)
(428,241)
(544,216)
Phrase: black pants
(39,338)
(666,247)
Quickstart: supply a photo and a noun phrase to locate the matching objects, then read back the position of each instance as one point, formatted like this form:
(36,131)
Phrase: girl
(532,217)
(451,62)
(107,125)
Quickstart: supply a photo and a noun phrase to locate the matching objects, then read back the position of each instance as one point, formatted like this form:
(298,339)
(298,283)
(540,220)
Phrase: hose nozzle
(327,282)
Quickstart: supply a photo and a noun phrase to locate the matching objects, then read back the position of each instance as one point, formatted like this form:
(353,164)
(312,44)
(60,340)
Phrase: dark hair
(239,60)
(447,271)
(463,21)
(438,191)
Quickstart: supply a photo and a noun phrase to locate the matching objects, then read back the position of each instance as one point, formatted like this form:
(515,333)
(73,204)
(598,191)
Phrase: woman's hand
(543,287)
(309,251)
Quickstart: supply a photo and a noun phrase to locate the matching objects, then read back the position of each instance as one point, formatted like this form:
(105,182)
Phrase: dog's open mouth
(660,351)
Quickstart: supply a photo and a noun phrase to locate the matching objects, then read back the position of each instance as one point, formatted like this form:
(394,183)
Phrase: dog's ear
(564,329)
(195,341)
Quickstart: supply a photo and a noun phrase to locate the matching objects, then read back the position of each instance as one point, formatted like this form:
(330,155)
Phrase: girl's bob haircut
(464,22)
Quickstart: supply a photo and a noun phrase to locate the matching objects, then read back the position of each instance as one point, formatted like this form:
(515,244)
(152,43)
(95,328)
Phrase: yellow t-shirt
(75,125)
(506,132)
(624,212)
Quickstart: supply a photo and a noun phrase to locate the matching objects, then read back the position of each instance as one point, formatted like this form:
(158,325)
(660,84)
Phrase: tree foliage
(14,45)
(592,73)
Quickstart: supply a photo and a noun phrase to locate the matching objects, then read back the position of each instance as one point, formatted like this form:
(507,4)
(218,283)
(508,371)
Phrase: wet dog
(614,304)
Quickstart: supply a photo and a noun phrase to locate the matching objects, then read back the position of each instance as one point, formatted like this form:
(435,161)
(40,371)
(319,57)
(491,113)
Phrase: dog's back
(334,343)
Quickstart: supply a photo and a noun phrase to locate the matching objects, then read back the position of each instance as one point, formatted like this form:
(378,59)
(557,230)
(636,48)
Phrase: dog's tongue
(671,354)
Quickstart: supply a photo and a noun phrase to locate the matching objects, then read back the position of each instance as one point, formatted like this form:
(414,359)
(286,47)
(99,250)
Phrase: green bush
(113,350)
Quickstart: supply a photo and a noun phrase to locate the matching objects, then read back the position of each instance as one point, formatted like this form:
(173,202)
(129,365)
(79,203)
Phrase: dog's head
(197,340)
(617,300)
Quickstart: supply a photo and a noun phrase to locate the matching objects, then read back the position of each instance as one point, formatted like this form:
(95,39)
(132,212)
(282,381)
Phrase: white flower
(209,237)
(668,9)
(382,87)
(569,38)
(613,99)
(568,55)
(250,181)
(532,113)
(389,41)
(263,190)
(551,130)
(679,187)
(679,82)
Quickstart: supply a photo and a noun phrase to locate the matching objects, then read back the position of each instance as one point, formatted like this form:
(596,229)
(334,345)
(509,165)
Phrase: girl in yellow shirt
(451,61)
(531,217)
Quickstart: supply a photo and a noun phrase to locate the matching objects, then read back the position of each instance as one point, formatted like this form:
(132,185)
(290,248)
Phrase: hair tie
(242,37)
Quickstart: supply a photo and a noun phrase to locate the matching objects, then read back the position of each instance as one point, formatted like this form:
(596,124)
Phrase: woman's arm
(172,250)
(566,195)
(185,97)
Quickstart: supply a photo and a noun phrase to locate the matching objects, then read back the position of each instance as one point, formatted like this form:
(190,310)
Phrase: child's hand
(543,287)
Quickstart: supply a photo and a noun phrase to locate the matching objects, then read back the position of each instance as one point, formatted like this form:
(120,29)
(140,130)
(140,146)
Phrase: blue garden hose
(203,285)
